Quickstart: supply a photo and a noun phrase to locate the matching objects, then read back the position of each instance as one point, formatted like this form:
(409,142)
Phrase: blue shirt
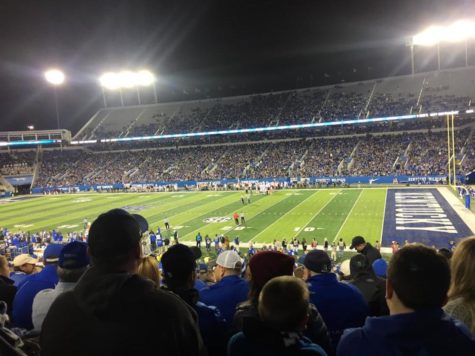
(341,305)
(27,290)
(426,332)
(226,295)
(18,277)
(212,327)
(199,284)
(240,345)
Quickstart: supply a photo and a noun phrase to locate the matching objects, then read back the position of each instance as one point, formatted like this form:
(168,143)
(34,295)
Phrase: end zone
(422,215)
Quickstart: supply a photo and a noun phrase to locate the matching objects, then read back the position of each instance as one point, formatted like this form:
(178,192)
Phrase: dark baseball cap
(196,252)
(178,262)
(113,233)
(141,221)
(356,241)
(318,261)
(74,255)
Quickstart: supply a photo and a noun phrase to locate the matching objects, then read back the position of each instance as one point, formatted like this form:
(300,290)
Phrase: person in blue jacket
(31,285)
(230,289)
(179,275)
(416,289)
(341,305)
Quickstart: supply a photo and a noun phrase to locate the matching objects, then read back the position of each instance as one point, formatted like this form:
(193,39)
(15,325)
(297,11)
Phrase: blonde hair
(148,268)
(284,303)
(462,266)
(4,265)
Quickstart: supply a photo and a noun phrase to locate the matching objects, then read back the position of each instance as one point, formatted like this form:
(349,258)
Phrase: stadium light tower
(459,31)
(127,80)
(56,78)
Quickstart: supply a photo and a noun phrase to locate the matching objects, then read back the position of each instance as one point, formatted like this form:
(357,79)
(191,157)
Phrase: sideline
(465,214)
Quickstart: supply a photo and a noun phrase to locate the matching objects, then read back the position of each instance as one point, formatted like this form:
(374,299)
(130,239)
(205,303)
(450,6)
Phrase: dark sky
(201,48)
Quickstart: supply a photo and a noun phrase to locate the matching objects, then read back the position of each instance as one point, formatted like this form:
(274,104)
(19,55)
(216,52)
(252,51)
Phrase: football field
(324,213)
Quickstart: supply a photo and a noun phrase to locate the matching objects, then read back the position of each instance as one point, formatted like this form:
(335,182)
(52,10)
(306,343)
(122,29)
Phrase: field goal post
(451,157)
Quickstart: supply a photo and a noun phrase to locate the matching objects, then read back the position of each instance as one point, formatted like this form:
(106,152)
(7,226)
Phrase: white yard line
(234,227)
(295,207)
(465,214)
(349,213)
(318,212)
(384,216)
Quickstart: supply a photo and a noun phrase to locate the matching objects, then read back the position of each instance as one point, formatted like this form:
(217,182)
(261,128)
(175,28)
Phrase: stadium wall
(432,179)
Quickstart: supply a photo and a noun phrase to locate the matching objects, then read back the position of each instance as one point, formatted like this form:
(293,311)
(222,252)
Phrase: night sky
(203,48)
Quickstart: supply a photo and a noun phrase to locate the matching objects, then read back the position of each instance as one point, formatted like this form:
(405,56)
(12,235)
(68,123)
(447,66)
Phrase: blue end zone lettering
(421,215)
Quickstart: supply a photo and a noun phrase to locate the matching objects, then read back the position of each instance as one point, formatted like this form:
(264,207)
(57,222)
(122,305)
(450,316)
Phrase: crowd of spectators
(377,155)
(16,163)
(368,155)
(85,296)
(282,108)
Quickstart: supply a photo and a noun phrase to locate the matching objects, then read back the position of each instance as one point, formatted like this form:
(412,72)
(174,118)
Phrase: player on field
(208,243)
(242,199)
(217,241)
(314,244)
(243,219)
(198,240)
(251,250)
(167,223)
(236,218)
(341,247)
(153,241)
(333,253)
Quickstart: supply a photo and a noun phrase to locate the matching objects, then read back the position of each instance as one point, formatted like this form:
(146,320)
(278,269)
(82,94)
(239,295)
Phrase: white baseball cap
(229,259)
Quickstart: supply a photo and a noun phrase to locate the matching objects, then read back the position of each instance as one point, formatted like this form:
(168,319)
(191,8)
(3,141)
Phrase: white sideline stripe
(465,214)
(295,207)
(384,216)
(349,213)
(318,212)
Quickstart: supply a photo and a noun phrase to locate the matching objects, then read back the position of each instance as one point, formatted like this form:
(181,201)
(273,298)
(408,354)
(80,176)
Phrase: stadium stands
(365,155)
(427,92)
(409,147)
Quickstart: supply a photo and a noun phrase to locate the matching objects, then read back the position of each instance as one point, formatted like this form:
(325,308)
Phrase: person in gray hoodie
(112,310)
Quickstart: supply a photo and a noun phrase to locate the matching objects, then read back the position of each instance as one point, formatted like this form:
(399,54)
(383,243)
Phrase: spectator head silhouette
(418,278)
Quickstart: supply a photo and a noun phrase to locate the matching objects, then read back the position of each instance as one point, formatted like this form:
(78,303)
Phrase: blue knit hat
(380,267)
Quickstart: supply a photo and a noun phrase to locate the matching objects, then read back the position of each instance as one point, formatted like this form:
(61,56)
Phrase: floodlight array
(127,79)
(457,32)
(54,76)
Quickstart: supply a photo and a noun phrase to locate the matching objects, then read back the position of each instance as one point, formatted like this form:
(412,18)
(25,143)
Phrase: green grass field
(330,213)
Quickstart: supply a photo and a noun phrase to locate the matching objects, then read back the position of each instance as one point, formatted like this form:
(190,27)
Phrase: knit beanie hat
(269,264)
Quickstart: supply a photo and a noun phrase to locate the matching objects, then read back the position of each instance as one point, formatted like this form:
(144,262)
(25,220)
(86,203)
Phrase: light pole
(466,52)
(56,78)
